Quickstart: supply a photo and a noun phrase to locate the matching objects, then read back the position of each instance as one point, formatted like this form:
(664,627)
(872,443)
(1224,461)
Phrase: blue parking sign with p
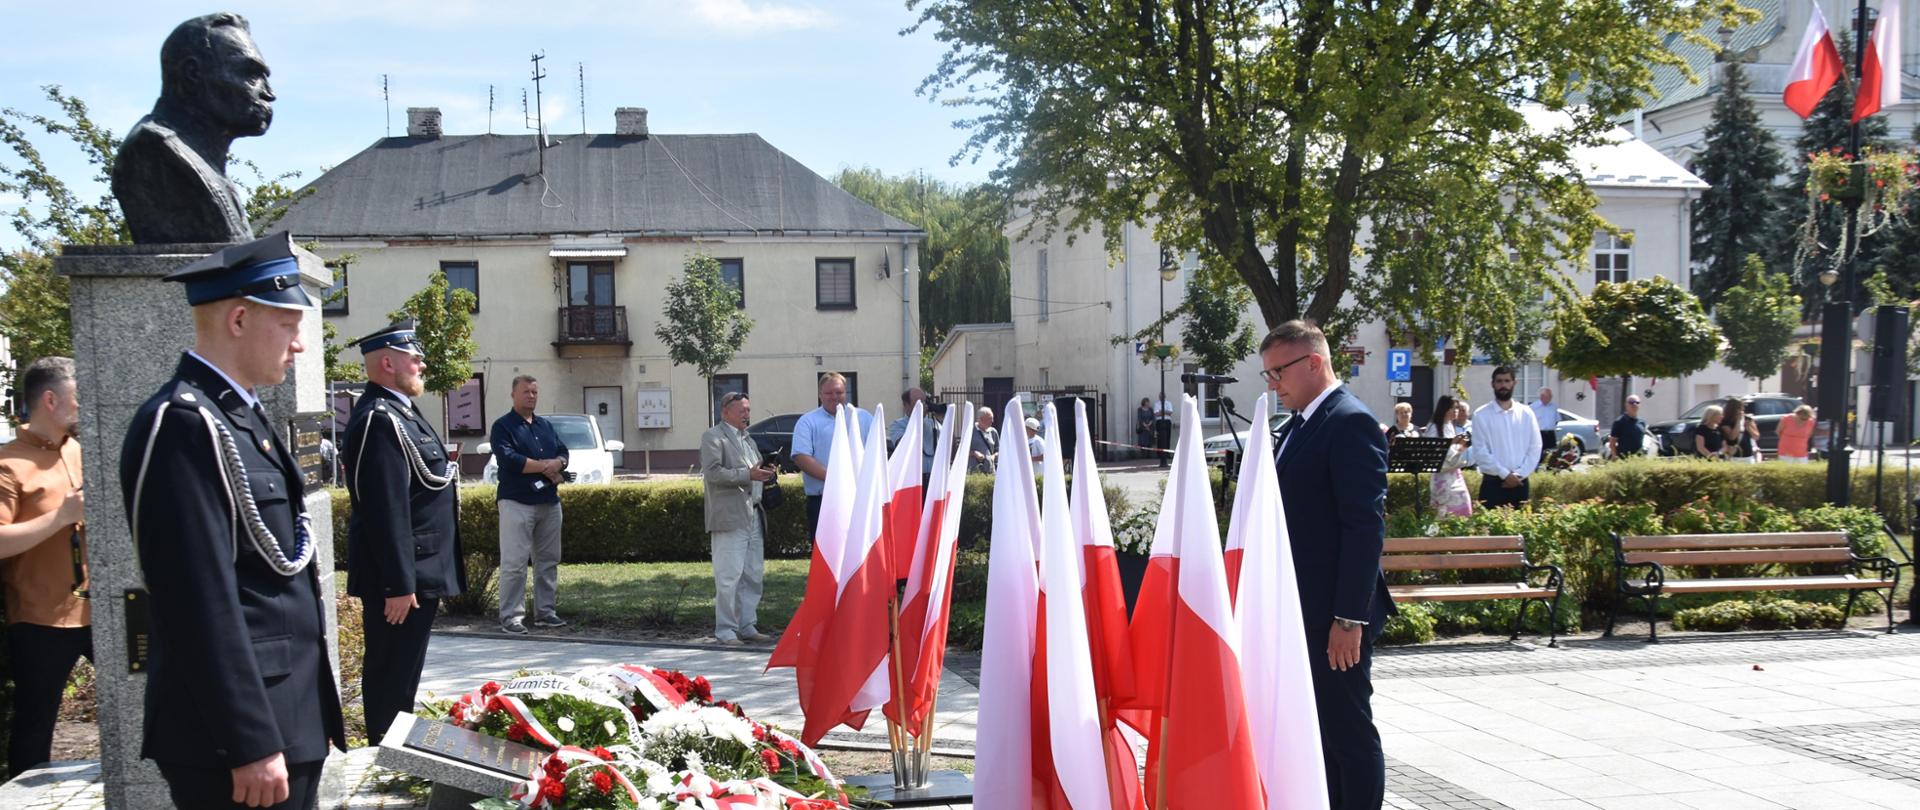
(1399,365)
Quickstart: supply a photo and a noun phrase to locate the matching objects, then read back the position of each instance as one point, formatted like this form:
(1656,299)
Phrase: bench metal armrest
(1656,575)
(1885,567)
(1555,577)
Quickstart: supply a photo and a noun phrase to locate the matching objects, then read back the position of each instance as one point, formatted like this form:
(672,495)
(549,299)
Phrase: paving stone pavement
(1798,720)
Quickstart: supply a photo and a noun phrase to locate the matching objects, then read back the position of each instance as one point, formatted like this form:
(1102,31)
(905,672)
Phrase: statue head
(209,68)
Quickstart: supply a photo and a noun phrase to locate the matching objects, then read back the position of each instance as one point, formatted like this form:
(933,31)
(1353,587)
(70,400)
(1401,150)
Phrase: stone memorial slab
(464,766)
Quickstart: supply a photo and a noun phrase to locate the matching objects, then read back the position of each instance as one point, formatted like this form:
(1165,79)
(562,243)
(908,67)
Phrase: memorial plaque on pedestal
(464,766)
(473,748)
(305,433)
(942,788)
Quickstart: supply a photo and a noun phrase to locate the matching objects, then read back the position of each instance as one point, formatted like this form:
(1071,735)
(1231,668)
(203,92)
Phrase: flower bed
(632,737)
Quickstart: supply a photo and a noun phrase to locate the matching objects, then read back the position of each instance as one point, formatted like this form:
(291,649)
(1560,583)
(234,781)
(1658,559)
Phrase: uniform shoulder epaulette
(184,395)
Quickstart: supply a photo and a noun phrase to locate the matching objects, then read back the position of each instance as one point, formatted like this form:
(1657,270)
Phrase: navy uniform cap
(263,271)
(398,335)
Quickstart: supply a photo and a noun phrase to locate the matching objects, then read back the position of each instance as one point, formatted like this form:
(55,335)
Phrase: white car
(588,456)
(1219,445)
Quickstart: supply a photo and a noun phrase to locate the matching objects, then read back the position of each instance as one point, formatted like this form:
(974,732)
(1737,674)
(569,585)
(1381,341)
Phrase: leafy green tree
(1266,134)
(1642,328)
(1758,317)
(704,325)
(443,323)
(964,258)
(1216,330)
(1731,218)
(34,313)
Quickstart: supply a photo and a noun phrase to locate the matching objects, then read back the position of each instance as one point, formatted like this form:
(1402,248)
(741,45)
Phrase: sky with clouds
(831,82)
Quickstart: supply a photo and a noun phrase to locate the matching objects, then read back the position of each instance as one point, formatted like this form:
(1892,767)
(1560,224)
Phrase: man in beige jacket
(730,465)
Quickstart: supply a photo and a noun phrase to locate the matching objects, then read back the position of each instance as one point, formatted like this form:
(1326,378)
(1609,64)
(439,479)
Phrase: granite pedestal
(129,329)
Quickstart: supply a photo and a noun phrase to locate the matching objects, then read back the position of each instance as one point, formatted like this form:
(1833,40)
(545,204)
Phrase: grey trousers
(529,532)
(739,560)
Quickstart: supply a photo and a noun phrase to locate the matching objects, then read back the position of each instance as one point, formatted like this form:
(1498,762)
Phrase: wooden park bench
(1640,568)
(1475,553)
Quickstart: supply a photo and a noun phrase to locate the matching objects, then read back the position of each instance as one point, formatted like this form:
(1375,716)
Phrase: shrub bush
(1759,614)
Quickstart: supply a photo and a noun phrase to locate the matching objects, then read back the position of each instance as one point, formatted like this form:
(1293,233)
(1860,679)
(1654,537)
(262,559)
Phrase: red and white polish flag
(1202,752)
(856,635)
(800,645)
(1880,71)
(1106,610)
(1273,642)
(1815,67)
(1076,741)
(929,594)
(1004,767)
(901,514)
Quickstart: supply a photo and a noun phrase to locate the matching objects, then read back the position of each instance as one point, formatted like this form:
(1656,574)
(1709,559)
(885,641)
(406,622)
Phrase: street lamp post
(1836,338)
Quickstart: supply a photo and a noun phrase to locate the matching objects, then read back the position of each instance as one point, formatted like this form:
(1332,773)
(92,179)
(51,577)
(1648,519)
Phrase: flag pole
(897,733)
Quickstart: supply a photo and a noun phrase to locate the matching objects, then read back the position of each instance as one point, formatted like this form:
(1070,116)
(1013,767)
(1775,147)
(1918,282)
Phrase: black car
(774,438)
(1676,436)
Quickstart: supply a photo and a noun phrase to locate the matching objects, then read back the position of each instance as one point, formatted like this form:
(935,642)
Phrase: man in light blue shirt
(929,429)
(813,441)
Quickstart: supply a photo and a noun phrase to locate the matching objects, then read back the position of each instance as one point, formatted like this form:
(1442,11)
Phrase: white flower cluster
(698,722)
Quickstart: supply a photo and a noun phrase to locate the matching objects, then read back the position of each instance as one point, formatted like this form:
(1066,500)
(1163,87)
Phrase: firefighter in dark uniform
(241,704)
(403,541)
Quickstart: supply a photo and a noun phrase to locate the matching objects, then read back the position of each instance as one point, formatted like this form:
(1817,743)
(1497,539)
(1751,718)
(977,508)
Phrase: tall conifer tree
(1731,217)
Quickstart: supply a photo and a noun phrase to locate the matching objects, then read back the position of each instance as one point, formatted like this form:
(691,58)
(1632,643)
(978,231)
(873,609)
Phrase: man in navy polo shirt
(532,463)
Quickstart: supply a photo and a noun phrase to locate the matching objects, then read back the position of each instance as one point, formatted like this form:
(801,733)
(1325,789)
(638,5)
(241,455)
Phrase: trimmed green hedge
(665,521)
(659,521)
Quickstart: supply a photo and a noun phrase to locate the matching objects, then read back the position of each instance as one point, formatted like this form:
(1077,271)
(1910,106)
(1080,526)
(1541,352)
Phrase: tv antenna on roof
(489,109)
(387,99)
(539,125)
(583,96)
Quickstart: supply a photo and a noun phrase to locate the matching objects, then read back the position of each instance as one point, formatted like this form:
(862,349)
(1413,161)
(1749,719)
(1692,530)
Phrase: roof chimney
(630,122)
(423,122)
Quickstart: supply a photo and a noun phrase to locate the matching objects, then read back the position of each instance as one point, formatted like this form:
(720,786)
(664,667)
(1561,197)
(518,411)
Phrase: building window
(833,284)
(724,384)
(334,301)
(734,273)
(590,285)
(1208,394)
(1041,274)
(463,276)
(1612,257)
(1527,383)
(467,407)
(853,386)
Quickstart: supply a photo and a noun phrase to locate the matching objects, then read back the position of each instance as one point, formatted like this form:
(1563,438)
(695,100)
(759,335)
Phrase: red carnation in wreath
(603,781)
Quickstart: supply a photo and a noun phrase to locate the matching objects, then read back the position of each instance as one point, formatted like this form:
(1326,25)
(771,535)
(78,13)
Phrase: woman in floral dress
(1449,488)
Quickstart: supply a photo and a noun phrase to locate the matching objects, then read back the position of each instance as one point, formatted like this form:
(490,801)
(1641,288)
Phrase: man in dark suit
(1333,479)
(241,704)
(403,540)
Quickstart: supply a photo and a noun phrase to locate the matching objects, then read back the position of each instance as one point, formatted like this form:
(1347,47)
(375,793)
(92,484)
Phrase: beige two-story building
(569,245)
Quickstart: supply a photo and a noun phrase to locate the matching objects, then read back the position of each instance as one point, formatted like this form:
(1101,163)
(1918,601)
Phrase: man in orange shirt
(43,557)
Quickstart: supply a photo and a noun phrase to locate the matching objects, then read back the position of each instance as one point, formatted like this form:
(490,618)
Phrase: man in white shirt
(1547,415)
(1506,445)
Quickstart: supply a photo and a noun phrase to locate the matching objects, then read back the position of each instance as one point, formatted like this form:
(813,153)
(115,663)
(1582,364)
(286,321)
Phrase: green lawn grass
(672,598)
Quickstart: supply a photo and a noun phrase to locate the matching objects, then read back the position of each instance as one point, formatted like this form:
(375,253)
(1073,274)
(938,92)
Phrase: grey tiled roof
(492,185)
(1671,86)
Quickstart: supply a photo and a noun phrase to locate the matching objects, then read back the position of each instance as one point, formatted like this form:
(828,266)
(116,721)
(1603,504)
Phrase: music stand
(1417,455)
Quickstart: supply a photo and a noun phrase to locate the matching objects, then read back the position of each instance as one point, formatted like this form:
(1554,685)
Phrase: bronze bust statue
(170,174)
